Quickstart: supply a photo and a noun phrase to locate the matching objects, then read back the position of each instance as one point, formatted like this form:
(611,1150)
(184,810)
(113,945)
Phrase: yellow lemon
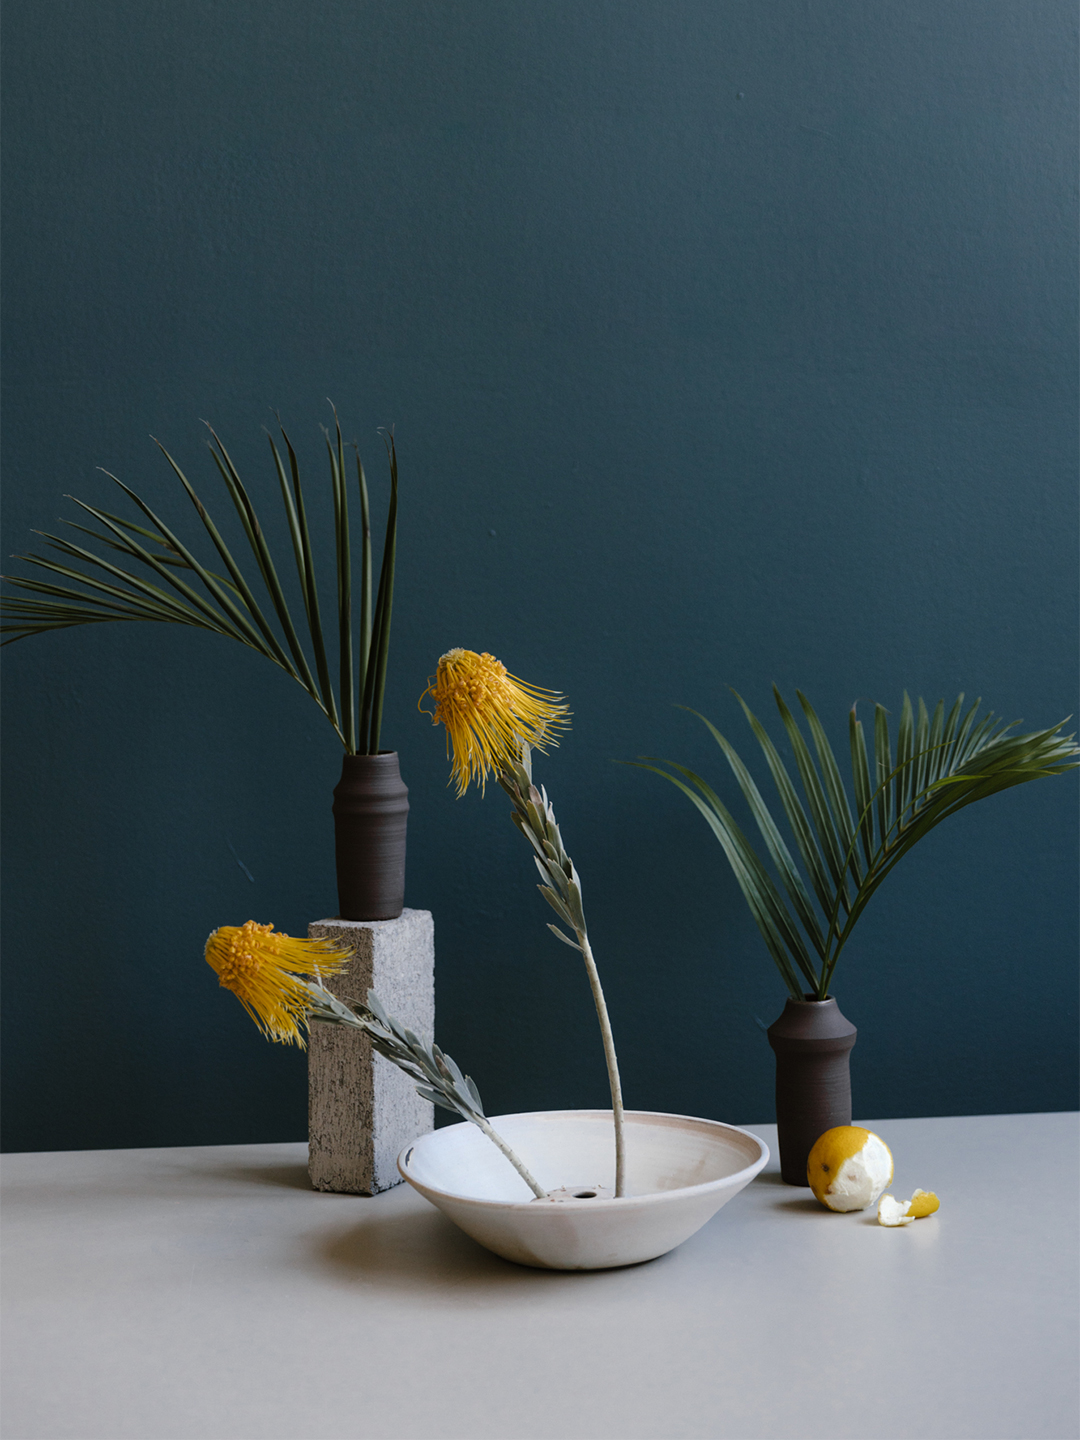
(849,1167)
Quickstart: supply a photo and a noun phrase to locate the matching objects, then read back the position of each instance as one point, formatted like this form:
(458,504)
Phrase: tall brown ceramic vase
(371,809)
(813,1044)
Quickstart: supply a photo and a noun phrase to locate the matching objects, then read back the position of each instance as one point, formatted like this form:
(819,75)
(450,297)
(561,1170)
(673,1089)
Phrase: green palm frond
(161,580)
(848,844)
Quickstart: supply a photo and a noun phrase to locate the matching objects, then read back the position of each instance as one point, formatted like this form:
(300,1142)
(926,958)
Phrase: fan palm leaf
(848,844)
(183,591)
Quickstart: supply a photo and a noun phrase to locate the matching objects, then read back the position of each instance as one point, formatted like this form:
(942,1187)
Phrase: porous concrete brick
(362,1110)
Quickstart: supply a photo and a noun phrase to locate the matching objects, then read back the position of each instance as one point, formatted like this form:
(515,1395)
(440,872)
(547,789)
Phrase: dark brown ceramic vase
(371,809)
(813,1044)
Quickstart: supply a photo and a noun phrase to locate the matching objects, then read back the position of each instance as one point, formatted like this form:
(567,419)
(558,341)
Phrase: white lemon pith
(902,1212)
(849,1167)
(891,1211)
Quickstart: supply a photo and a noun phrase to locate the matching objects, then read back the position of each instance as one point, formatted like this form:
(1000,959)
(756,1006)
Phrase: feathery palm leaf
(848,844)
(161,580)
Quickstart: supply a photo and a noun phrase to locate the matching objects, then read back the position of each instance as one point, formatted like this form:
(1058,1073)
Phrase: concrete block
(361,1109)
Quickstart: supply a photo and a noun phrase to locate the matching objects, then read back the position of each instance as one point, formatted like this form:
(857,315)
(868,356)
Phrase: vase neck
(805,1020)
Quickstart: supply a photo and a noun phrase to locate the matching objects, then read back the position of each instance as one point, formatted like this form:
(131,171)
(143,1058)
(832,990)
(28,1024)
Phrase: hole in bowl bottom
(578,1192)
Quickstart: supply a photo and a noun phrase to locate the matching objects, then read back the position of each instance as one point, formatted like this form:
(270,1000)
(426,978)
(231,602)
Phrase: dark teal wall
(726,343)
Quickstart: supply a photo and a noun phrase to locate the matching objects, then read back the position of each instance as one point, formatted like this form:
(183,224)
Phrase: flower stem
(432,1071)
(496,1139)
(609,1057)
(535,818)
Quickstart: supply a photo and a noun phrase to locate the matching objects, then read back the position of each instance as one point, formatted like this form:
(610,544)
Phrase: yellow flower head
(489,714)
(261,967)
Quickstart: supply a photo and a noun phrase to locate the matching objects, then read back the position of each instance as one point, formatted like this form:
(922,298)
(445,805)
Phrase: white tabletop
(208,1294)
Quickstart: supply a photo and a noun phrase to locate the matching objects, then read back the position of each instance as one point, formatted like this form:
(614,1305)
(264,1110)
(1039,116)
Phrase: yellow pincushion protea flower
(261,968)
(489,714)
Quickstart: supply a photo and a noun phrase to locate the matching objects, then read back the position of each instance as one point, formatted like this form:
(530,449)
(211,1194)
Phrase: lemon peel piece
(923,1203)
(891,1211)
(894,1212)
(849,1167)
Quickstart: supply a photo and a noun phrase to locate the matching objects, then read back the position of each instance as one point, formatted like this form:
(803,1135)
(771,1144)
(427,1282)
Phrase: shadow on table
(288,1173)
(421,1250)
(803,1205)
(796,1199)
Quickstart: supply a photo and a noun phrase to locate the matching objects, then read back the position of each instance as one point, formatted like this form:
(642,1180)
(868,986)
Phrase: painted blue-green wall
(725,343)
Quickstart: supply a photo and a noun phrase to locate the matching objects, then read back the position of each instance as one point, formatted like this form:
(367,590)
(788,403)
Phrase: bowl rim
(654,1197)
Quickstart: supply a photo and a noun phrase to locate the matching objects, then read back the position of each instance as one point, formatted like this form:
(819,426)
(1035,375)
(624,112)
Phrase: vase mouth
(814,1000)
(379,755)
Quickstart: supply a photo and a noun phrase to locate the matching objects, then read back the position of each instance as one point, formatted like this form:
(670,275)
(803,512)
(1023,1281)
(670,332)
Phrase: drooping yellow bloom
(261,968)
(489,714)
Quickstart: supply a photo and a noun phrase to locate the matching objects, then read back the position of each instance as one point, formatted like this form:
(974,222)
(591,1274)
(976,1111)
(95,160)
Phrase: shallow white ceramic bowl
(680,1171)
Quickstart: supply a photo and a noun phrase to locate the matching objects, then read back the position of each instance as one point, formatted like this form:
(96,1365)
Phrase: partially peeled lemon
(849,1167)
